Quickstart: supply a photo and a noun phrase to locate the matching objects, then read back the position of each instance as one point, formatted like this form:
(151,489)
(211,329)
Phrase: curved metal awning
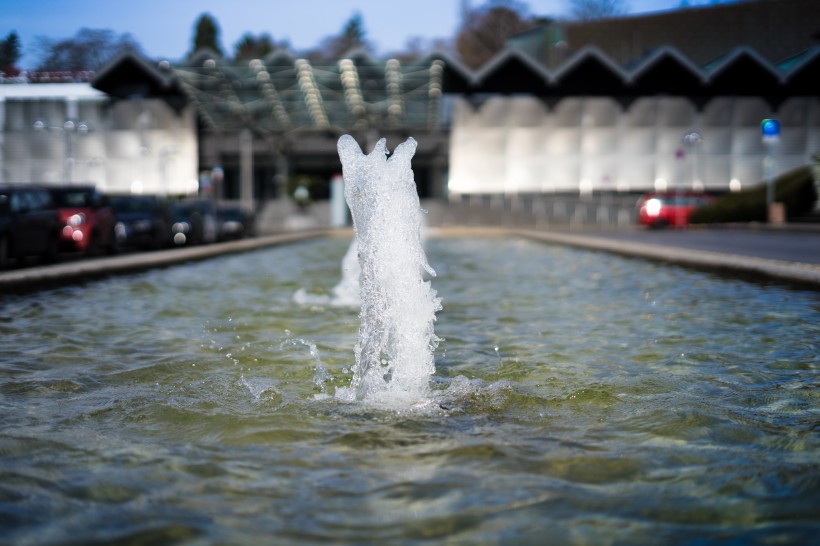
(281,93)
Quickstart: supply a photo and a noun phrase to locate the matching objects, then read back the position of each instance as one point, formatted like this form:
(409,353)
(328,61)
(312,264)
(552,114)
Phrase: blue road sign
(770,128)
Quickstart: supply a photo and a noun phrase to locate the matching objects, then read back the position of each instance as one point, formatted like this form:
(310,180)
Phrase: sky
(165,28)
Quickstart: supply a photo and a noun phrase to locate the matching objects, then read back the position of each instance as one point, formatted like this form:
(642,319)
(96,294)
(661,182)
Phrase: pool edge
(30,279)
(803,275)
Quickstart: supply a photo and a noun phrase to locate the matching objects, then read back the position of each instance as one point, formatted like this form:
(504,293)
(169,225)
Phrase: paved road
(781,255)
(803,247)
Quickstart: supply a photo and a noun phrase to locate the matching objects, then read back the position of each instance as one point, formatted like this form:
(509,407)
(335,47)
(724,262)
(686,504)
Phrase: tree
(693,3)
(10,53)
(89,49)
(590,10)
(485,30)
(206,35)
(256,47)
(353,36)
(416,47)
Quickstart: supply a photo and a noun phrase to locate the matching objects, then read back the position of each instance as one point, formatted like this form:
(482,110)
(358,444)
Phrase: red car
(87,219)
(670,208)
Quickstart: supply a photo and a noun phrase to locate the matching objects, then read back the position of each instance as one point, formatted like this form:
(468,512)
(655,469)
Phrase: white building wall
(517,145)
(132,146)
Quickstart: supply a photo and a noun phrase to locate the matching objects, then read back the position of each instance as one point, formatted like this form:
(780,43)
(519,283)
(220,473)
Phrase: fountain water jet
(394,352)
(346,291)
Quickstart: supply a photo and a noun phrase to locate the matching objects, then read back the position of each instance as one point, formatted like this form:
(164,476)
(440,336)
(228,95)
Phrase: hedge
(795,189)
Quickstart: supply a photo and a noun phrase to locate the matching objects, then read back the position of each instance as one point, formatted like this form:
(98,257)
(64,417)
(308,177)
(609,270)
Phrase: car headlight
(653,207)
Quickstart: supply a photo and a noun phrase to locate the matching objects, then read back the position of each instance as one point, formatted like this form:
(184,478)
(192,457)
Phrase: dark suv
(29,225)
(194,222)
(87,218)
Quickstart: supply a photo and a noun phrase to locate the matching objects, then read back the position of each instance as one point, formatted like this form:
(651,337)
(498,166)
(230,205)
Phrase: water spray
(394,351)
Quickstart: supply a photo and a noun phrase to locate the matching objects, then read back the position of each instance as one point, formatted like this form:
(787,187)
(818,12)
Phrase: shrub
(795,189)
(316,186)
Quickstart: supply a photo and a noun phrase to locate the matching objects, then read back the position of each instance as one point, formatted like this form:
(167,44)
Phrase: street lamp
(693,140)
(680,156)
(69,128)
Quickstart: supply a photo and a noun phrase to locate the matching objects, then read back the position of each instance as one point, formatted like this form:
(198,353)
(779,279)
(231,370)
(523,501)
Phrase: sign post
(770,132)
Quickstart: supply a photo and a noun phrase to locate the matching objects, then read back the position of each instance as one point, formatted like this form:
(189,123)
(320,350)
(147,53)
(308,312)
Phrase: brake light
(76,219)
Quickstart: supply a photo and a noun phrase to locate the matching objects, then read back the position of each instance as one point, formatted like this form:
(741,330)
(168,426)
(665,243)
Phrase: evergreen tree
(353,36)
(206,35)
(10,53)
(253,47)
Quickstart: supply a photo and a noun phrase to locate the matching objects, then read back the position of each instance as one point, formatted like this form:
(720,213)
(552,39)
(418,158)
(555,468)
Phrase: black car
(194,222)
(234,222)
(29,224)
(143,221)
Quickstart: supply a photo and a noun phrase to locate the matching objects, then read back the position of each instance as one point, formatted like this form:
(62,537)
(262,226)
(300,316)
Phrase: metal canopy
(283,94)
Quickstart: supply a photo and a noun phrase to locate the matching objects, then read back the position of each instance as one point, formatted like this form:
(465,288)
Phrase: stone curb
(35,278)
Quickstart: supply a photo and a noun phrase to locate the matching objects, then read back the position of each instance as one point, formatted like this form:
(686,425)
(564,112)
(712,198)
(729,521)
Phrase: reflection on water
(580,398)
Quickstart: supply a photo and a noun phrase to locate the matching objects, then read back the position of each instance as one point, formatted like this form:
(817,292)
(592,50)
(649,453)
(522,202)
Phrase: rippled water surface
(580,398)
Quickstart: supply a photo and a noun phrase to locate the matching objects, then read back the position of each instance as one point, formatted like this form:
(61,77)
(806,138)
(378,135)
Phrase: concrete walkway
(35,278)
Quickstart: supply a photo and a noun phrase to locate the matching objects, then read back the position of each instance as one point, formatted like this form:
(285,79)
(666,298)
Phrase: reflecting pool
(579,398)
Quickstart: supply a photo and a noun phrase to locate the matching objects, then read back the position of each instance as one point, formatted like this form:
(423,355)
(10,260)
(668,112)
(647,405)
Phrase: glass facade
(594,143)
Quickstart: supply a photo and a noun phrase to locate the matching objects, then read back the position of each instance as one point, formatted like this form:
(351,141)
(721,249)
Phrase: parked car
(87,219)
(671,208)
(29,225)
(194,222)
(234,222)
(143,221)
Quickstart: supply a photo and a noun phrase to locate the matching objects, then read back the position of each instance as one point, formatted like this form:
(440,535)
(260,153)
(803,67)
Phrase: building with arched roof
(606,105)
(625,105)
(592,124)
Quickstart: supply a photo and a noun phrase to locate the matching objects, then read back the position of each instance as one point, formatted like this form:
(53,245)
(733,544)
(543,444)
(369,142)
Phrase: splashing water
(394,352)
(346,292)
